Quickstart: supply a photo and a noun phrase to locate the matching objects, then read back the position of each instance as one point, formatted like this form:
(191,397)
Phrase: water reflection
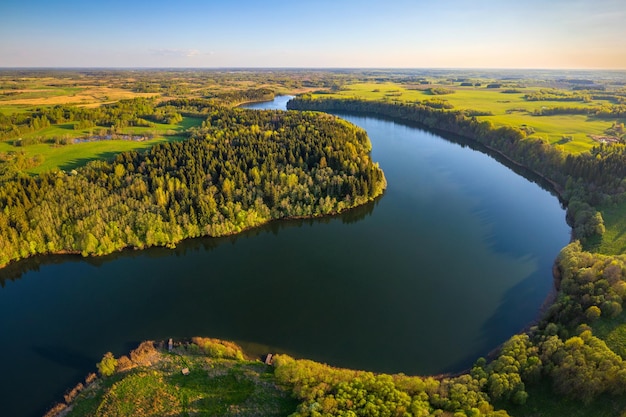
(16,270)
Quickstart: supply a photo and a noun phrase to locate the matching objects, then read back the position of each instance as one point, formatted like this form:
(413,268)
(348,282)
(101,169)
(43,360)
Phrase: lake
(451,261)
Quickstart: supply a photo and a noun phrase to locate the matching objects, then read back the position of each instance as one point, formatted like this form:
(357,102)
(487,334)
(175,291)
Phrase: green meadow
(67,157)
(506,109)
(13,108)
(41,92)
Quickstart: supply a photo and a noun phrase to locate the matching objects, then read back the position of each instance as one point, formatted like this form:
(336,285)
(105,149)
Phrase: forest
(238,170)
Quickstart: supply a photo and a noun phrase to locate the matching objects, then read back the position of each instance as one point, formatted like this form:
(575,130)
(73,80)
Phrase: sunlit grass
(67,157)
(213,387)
(507,109)
(613,241)
(13,108)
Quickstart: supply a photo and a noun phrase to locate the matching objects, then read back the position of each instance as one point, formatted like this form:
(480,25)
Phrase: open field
(81,96)
(67,157)
(507,109)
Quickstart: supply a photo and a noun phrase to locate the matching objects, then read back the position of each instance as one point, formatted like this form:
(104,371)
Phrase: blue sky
(279,33)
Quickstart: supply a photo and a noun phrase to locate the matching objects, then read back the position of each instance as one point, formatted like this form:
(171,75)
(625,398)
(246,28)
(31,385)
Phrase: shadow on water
(512,306)
(16,270)
(65,357)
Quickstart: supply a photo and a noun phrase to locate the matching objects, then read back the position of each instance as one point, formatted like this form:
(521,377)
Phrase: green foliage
(243,96)
(436,91)
(585,368)
(557,95)
(239,170)
(216,348)
(588,280)
(106,367)
(329,391)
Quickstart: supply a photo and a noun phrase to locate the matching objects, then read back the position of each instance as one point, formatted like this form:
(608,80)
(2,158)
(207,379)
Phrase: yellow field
(89,96)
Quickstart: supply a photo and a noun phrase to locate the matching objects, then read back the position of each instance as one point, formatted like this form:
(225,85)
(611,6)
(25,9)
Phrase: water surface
(450,262)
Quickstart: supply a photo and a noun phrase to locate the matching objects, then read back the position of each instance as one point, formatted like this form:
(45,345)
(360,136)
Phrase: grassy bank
(206,378)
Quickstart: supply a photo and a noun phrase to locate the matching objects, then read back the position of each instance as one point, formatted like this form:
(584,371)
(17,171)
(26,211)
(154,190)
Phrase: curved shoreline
(555,188)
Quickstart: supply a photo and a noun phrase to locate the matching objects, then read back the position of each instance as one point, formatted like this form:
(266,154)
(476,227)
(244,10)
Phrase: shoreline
(172,245)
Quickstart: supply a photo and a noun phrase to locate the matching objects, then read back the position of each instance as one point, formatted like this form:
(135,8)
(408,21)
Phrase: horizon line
(2,68)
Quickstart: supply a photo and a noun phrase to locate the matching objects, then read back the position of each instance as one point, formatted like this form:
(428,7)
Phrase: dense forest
(240,169)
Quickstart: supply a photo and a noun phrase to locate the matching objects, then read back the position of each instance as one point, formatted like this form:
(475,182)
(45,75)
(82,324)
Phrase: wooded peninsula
(239,169)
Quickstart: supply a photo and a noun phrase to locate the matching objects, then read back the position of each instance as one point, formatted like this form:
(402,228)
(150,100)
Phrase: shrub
(107,365)
(219,348)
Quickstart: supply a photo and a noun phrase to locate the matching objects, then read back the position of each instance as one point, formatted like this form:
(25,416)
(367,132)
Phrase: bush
(593,313)
(106,367)
(219,348)
(437,91)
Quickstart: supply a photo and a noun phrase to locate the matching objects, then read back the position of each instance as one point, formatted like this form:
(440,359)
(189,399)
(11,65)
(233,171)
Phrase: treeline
(558,95)
(242,96)
(591,287)
(584,94)
(533,153)
(240,169)
(435,91)
(612,111)
(512,142)
(327,391)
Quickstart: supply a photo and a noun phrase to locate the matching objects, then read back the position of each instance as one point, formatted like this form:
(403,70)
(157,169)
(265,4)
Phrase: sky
(544,34)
